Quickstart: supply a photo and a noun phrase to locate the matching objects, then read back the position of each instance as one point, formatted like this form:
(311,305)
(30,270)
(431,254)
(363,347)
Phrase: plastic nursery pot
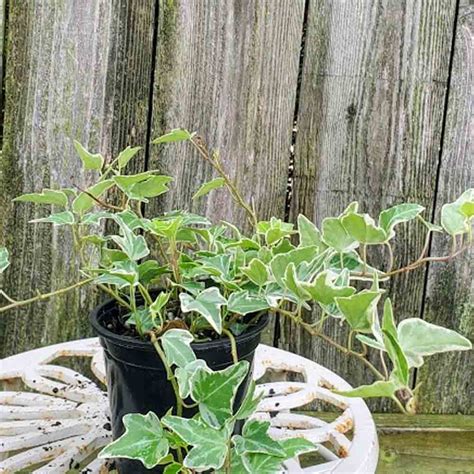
(136,377)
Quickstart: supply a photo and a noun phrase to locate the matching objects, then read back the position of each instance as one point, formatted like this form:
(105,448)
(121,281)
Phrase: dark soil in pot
(136,377)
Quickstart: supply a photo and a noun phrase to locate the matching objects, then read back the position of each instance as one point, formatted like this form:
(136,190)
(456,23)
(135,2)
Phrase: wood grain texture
(371,113)
(75,70)
(448,379)
(228,69)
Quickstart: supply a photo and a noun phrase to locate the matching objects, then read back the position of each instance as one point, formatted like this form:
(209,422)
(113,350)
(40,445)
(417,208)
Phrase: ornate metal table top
(58,421)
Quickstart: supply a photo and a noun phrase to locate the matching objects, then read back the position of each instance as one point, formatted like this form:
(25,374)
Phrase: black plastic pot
(136,377)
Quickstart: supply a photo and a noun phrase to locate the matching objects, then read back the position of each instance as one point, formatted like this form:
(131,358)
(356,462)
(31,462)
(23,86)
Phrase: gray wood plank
(228,70)
(448,379)
(75,70)
(371,111)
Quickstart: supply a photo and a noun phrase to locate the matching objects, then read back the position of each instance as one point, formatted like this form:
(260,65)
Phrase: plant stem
(233,345)
(399,405)
(390,256)
(384,365)
(200,146)
(45,296)
(332,342)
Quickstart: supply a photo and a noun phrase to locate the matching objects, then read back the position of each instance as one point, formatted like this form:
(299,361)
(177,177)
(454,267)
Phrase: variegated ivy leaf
(456,216)
(4,260)
(274,230)
(126,155)
(143,440)
(123,273)
(400,373)
(242,302)
(133,245)
(47,196)
(166,227)
(418,338)
(292,284)
(336,236)
(388,321)
(142,320)
(250,402)
(358,309)
(94,218)
(256,272)
(209,186)
(368,341)
(280,262)
(84,201)
(91,161)
(208,304)
(215,392)
(184,375)
(209,445)
(377,389)
(255,439)
(177,347)
(175,135)
(362,228)
(150,270)
(398,214)
(143,185)
(60,218)
(323,289)
(309,233)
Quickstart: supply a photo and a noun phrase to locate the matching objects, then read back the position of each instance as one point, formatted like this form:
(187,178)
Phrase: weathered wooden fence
(366,99)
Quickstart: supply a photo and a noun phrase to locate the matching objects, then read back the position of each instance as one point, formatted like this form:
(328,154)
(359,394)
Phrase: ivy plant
(182,278)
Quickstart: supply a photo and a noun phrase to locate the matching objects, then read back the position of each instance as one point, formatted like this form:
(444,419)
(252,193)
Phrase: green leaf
(150,270)
(255,439)
(253,463)
(370,342)
(208,304)
(90,161)
(295,446)
(309,233)
(133,245)
(142,320)
(388,321)
(209,444)
(4,261)
(336,236)
(209,186)
(362,228)
(377,389)
(405,212)
(257,272)
(250,402)
(455,217)
(173,468)
(126,155)
(274,230)
(60,218)
(94,218)
(401,369)
(185,374)
(242,302)
(280,262)
(418,338)
(47,196)
(123,273)
(84,201)
(177,347)
(175,135)
(143,440)
(152,187)
(323,289)
(358,309)
(215,392)
(291,283)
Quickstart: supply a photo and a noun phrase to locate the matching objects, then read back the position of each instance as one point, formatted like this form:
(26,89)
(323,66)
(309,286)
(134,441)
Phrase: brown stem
(98,201)
(45,296)
(332,342)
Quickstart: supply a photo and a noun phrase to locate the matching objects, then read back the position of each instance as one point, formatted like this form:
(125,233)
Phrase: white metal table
(58,422)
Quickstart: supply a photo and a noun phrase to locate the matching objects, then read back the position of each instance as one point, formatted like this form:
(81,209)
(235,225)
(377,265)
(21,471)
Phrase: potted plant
(190,299)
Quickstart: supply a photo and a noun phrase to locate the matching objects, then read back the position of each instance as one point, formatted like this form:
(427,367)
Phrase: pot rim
(138,344)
